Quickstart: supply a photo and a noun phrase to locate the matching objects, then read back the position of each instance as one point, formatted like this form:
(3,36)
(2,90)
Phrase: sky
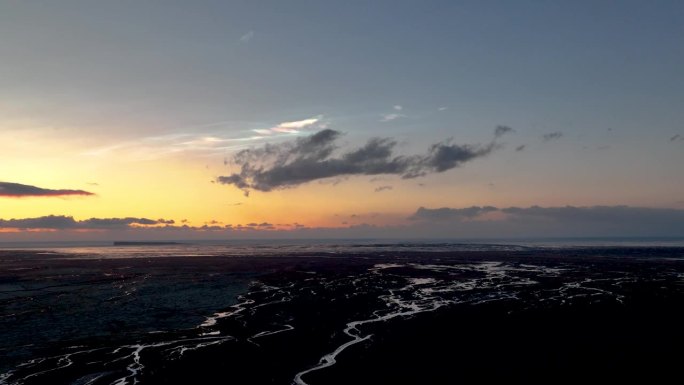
(237,119)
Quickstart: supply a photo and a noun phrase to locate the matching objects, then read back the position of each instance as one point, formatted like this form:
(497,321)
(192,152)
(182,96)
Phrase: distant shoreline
(148,243)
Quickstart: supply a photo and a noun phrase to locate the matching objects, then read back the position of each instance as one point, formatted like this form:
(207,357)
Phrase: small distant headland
(144,243)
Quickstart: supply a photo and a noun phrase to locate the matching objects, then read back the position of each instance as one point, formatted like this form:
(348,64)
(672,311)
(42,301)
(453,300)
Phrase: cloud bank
(16,190)
(61,222)
(315,157)
(485,222)
(449,214)
(567,221)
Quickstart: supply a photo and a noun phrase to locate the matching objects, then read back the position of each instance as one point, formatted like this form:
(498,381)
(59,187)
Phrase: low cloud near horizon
(566,221)
(445,223)
(17,190)
(62,222)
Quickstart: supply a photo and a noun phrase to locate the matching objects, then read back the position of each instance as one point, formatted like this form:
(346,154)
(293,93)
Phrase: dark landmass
(144,243)
(522,316)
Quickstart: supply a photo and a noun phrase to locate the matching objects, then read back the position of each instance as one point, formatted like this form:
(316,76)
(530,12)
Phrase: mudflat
(516,316)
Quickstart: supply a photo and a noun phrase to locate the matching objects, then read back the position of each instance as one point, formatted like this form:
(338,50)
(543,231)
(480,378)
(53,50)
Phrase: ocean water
(200,248)
(340,312)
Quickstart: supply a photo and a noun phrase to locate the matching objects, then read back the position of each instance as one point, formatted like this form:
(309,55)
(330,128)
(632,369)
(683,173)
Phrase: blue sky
(549,63)
(168,80)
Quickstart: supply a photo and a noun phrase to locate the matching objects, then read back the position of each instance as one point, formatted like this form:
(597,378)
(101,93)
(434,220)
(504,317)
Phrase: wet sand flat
(514,316)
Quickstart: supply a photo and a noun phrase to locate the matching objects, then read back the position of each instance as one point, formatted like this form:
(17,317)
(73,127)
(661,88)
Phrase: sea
(250,247)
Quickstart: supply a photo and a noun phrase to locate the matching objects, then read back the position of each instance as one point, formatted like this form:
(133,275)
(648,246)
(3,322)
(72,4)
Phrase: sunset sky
(152,119)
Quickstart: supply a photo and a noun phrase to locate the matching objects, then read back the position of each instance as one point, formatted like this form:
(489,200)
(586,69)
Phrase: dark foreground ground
(523,317)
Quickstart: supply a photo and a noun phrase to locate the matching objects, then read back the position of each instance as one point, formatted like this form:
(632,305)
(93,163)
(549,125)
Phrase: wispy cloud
(502,130)
(314,157)
(293,127)
(16,190)
(247,37)
(442,109)
(552,136)
(205,140)
(383,188)
(154,147)
(391,117)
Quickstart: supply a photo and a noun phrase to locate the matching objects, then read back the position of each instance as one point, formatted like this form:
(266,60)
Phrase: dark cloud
(448,214)
(520,148)
(602,214)
(567,221)
(314,157)
(552,136)
(448,223)
(565,214)
(676,138)
(17,190)
(61,222)
(117,223)
(502,130)
(211,228)
(383,188)
(47,222)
